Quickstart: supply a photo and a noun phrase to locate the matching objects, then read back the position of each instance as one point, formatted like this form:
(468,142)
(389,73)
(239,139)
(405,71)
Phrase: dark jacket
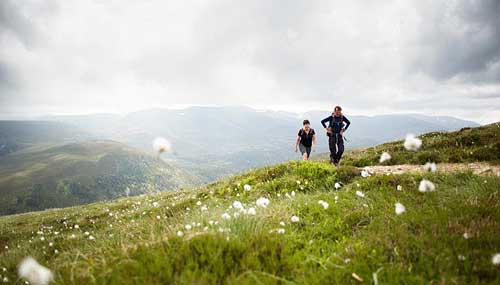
(336,123)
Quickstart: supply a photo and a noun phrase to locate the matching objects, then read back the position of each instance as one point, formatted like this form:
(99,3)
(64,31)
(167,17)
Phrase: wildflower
(294,219)
(226,216)
(91,238)
(298,182)
(360,194)
(236,214)
(323,203)
(161,145)
(461,257)
(280,231)
(247,187)
(187,227)
(293,193)
(251,211)
(262,202)
(237,205)
(337,185)
(399,208)
(180,233)
(426,185)
(86,233)
(204,208)
(430,166)
(466,235)
(412,143)
(198,203)
(282,223)
(399,188)
(35,273)
(496,259)
(157,217)
(76,227)
(385,157)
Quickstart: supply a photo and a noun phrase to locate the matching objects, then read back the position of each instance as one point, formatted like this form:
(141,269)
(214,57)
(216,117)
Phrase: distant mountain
(215,141)
(48,176)
(16,135)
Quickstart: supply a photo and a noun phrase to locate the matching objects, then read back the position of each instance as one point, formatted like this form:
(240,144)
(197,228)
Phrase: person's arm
(347,123)
(314,143)
(323,122)
(297,141)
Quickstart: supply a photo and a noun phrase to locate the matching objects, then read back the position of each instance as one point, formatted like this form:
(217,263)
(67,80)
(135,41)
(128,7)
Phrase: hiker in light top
(306,140)
(338,124)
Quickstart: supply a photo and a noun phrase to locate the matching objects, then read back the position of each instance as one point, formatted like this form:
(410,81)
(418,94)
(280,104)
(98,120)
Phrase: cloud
(114,56)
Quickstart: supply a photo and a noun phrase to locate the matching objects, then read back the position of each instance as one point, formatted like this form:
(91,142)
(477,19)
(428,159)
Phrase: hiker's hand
(296,149)
(328,130)
(342,131)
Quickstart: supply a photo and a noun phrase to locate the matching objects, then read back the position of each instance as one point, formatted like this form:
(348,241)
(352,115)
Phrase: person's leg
(340,149)
(308,152)
(333,148)
(303,151)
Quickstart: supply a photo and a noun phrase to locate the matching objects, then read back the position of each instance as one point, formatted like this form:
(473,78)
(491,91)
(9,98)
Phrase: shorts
(305,149)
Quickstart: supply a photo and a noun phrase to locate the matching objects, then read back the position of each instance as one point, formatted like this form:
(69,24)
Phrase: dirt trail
(476,168)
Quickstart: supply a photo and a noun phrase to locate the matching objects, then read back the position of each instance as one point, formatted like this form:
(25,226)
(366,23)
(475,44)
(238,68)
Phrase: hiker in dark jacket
(338,124)
(306,140)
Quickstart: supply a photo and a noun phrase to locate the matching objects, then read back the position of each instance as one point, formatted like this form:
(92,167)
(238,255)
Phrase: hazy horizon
(76,57)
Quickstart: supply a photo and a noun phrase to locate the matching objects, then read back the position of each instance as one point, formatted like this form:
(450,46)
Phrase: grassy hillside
(211,235)
(51,176)
(466,145)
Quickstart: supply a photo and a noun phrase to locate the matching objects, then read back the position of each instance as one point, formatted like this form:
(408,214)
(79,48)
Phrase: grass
(136,240)
(466,145)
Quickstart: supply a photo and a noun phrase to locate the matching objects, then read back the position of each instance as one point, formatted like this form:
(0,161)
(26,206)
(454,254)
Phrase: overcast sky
(78,56)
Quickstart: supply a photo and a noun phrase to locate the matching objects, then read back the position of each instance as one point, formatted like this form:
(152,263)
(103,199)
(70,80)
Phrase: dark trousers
(336,144)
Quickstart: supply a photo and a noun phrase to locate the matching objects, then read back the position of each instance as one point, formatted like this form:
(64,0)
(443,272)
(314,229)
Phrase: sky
(371,57)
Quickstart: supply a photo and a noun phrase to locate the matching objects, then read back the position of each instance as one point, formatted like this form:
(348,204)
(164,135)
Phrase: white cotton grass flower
(412,143)
(188,227)
(161,145)
(399,208)
(226,216)
(399,188)
(294,219)
(251,211)
(262,202)
(495,259)
(360,194)
(324,204)
(384,157)
(426,186)
(247,187)
(35,273)
(337,185)
(430,166)
(280,230)
(237,205)
(180,233)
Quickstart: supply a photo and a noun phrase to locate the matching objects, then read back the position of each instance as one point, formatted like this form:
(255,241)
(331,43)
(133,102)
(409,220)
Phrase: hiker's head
(306,124)
(337,111)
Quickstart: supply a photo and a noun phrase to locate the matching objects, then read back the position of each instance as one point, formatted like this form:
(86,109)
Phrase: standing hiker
(306,140)
(338,124)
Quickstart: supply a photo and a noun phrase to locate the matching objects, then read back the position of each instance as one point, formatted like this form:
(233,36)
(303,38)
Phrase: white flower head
(251,211)
(399,208)
(262,202)
(360,194)
(161,145)
(384,157)
(496,259)
(399,188)
(294,219)
(247,187)
(280,230)
(188,227)
(237,205)
(426,185)
(226,216)
(430,166)
(35,273)
(156,204)
(412,143)
(337,185)
(323,203)
(180,233)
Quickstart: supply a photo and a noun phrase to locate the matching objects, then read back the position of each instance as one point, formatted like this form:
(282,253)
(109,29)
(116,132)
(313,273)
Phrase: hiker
(338,124)
(306,140)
